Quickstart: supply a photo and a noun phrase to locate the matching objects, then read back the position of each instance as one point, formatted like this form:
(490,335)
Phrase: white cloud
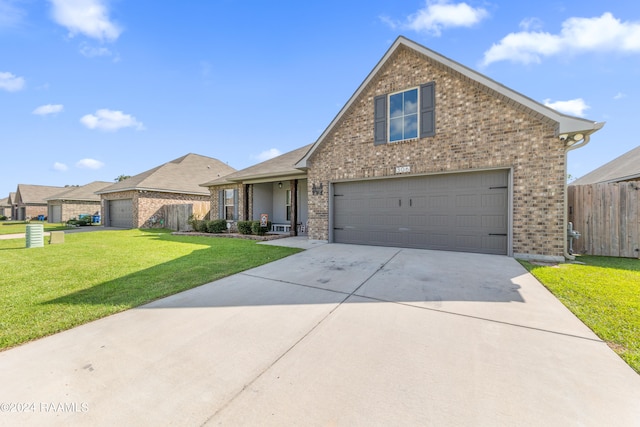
(620,95)
(60,166)
(92,51)
(528,24)
(89,164)
(440,14)
(44,110)
(268,154)
(111,121)
(11,83)
(578,35)
(88,17)
(574,107)
(10,16)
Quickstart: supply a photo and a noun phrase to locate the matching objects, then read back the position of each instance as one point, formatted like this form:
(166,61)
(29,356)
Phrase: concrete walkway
(336,335)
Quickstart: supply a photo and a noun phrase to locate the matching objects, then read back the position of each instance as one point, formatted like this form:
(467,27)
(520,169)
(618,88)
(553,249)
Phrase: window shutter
(427,109)
(235,205)
(380,120)
(221,204)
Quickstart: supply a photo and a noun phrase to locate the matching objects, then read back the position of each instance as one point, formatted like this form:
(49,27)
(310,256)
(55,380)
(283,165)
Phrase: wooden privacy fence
(176,217)
(608,217)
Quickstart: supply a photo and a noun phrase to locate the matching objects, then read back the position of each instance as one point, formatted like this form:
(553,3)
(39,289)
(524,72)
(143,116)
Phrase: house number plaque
(403,169)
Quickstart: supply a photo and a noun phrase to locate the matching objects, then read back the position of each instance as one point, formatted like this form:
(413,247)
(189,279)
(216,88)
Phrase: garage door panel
(121,213)
(494,222)
(440,201)
(494,199)
(472,221)
(467,200)
(469,242)
(460,212)
(56,213)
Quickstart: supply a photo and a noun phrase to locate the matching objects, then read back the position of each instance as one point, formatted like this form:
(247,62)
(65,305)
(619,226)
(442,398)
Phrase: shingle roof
(82,193)
(622,168)
(278,167)
(564,124)
(5,202)
(182,175)
(35,194)
(12,197)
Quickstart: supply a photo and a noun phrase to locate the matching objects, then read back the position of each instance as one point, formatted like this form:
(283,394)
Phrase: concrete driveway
(335,335)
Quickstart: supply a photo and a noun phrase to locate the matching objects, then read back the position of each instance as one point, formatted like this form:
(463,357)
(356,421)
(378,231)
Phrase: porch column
(247,208)
(293,231)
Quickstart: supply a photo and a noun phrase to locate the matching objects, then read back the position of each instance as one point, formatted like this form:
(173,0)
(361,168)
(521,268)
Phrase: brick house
(13,206)
(30,200)
(75,201)
(428,153)
(5,208)
(138,201)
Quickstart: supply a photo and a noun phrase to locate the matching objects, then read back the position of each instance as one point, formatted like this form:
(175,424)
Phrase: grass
(92,275)
(605,294)
(15,227)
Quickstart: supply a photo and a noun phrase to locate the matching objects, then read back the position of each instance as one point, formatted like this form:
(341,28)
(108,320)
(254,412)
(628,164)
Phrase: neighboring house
(75,201)
(138,201)
(31,200)
(274,187)
(623,168)
(428,153)
(5,208)
(13,206)
(604,206)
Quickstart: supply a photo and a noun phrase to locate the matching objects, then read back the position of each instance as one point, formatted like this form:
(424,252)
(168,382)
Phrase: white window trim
(389,95)
(227,205)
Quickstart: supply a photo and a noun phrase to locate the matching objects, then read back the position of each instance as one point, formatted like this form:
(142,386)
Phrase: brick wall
(32,211)
(149,212)
(147,205)
(76,208)
(474,130)
(214,199)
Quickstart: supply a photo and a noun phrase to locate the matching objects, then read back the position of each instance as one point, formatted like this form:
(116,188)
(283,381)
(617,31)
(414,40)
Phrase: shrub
(260,231)
(3,218)
(199,225)
(244,227)
(217,226)
(209,227)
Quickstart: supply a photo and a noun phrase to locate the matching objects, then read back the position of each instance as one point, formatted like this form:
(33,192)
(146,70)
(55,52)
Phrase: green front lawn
(16,227)
(605,294)
(92,275)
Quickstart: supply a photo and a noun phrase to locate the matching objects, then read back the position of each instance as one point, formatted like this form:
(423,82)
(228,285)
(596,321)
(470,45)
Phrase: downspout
(573,146)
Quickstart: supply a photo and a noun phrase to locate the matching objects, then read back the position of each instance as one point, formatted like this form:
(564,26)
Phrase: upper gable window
(406,115)
(403,115)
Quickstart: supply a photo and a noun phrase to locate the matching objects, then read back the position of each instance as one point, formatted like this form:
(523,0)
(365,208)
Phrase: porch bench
(280,228)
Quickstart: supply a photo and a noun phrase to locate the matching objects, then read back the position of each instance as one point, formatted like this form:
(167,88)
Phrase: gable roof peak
(564,124)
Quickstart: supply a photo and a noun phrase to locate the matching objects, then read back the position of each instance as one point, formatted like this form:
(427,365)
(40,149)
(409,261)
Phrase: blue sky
(92,89)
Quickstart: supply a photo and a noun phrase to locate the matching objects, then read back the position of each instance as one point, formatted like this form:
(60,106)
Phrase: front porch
(284,202)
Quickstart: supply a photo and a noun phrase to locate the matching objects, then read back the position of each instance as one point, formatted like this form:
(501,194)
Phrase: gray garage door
(56,214)
(464,212)
(121,213)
